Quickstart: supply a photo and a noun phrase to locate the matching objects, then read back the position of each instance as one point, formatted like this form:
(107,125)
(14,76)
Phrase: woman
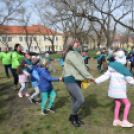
(74,72)
(17,56)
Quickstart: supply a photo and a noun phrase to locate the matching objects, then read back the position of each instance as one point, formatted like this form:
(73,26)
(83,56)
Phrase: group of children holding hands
(41,80)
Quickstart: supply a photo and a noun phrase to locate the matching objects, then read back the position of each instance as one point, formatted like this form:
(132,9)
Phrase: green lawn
(19,116)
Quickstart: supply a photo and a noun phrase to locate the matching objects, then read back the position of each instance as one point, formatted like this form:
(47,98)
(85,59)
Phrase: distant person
(48,58)
(17,56)
(28,59)
(61,61)
(6,58)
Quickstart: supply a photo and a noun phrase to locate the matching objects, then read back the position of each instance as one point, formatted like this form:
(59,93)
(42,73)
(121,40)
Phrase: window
(57,39)
(10,39)
(20,39)
(4,39)
(30,38)
(35,48)
(45,39)
(35,38)
(31,48)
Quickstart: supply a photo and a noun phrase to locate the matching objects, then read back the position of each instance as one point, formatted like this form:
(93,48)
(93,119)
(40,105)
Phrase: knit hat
(43,62)
(35,61)
(33,57)
(23,62)
(120,57)
(98,53)
(84,54)
(47,55)
(27,55)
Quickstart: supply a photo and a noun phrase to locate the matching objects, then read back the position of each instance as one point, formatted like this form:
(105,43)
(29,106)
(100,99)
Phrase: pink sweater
(24,77)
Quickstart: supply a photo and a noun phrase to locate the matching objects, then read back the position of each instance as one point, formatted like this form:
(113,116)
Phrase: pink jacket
(24,77)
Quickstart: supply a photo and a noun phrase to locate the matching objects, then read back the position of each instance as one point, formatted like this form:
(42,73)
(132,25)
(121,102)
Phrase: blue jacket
(45,79)
(34,75)
(131,58)
(61,61)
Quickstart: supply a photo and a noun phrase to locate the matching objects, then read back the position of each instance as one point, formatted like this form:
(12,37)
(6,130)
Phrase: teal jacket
(6,58)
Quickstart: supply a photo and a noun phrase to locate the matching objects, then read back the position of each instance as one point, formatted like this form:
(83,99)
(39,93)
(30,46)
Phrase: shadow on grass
(61,102)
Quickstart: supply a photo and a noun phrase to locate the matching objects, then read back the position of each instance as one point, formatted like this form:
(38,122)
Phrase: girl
(23,80)
(47,57)
(28,59)
(119,76)
(46,87)
(85,57)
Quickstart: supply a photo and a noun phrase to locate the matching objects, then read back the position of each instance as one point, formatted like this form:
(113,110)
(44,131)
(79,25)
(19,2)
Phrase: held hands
(93,80)
(60,79)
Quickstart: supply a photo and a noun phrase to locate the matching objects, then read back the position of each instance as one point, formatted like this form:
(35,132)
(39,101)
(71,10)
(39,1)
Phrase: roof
(35,29)
(118,38)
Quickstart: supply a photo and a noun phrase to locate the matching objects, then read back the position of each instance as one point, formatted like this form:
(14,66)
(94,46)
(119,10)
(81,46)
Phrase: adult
(74,72)
(6,58)
(17,56)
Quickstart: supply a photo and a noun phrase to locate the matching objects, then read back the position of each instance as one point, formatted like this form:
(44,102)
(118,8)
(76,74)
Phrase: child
(46,87)
(28,59)
(35,80)
(49,59)
(119,76)
(131,58)
(110,56)
(85,57)
(99,60)
(61,61)
(23,80)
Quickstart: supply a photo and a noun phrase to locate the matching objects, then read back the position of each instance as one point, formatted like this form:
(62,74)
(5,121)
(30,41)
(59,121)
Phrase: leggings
(77,97)
(15,75)
(117,108)
(24,86)
(37,93)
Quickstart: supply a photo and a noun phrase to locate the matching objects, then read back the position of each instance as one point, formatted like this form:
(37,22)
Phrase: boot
(73,119)
(79,121)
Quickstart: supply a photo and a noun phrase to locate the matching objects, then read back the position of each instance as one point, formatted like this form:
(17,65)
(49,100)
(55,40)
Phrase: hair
(20,68)
(117,49)
(68,44)
(15,49)
(132,48)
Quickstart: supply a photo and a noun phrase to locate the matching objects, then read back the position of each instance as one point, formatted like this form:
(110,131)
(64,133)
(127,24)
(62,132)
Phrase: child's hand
(60,79)
(93,80)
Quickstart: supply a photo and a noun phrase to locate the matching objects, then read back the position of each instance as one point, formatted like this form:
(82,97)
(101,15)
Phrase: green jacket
(74,66)
(16,59)
(6,58)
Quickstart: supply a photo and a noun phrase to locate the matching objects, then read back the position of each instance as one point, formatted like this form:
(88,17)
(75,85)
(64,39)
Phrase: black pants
(15,75)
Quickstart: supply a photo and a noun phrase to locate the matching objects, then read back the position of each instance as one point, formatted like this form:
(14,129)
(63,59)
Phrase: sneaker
(44,112)
(20,94)
(38,101)
(51,110)
(27,94)
(125,123)
(32,100)
(117,123)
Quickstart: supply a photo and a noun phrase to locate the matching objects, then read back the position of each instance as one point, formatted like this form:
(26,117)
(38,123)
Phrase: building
(30,36)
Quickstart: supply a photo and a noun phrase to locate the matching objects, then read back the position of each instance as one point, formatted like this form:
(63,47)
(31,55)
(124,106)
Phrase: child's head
(47,55)
(84,54)
(23,62)
(35,61)
(20,68)
(44,63)
(27,56)
(98,53)
(117,49)
(110,52)
(121,57)
(33,57)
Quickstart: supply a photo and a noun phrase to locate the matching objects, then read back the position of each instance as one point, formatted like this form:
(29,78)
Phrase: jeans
(6,69)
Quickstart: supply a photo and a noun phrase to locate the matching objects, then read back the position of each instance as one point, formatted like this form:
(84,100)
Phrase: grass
(19,116)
